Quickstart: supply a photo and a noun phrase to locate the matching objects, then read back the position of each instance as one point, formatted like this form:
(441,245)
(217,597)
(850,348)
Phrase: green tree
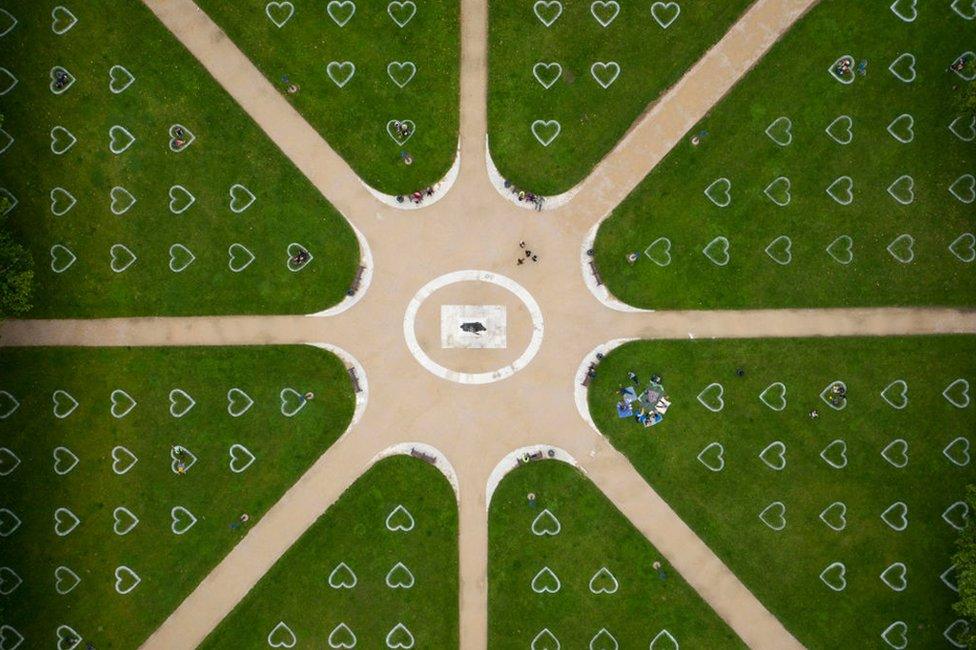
(16,270)
(965,561)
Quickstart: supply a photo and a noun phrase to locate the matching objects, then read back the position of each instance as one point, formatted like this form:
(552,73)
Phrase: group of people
(61,78)
(846,66)
(837,396)
(299,258)
(417,197)
(522,195)
(179,139)
(527,255)
(649,407)
(958,64)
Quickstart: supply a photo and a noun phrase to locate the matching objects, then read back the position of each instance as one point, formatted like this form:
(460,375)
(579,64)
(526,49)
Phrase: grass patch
(353,118)
(170,88)
(592,535)
(593,119)
(793,81)
(296,590)
(169,565)
(782,568)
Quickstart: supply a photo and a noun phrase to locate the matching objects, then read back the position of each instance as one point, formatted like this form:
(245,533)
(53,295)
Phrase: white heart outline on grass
(833,70)
(775,255)
(72,20)
(189,137)
(847,246)
(954,637)
(115,132)
(232,396)
(340,5)
(236,192)
(849,128)
(176,460)
(659,6)
(967,240)
(117,516)
(9,140)
(59,517)
(727,184)
(59,454)
(825,515)
(342,577)
(826,453)
(394,68)
(949,452)
(552,584)
(603,66)
(275,6)
(11,84)
(724,244)
(959,404)
(15,580)
(843,195)
(395,527)
(721,456)
(778,182)
(902,386)
(233,251)
(777,506)
(778,387)
(178,514)
(902,513)
(121,573)
(546,517)
(67,632)
(116,460)
(236,452)
(546,5)
(774,126)
(894,127)
(400,581)
(398,630)
(63,89)
(900,583)
(13,21)
(114,254)
(288,263)
(347,643)
(902,629)
(57,398)
(128,77)
(287,642)
(902,241)
(660,241)
(546,124)
(948,518)
(59,575)
(396,137)
(894,67)
(176,192)
(399,6)
(117,397)
(897,442)
(603,636)
(906,18)
(543,64)
(340,65)
(283,397)
(56,194)
(965,179)
(972,129)
(56,251)
(833,567)
(179,250)
(16,462)
(115,195)
(780,450)
(954,6)
(613,5)
(665,637)
(180,395)
(11,528)
(708,404)
(949,578)
(968,55)
(13,404)
(603,573)
(57,133)
(826,390)
(10,632)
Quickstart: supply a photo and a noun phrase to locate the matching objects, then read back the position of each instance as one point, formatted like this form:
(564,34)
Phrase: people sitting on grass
(647,408)
(299,258)
(843,67)
(60,78)
(402,129)
(179,138)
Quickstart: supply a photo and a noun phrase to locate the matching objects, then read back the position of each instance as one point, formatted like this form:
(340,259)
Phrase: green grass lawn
(169,88)
(608,593)
(353,118)
(782,567)
(670,217)
(38,474)
(649,59)
(331,589)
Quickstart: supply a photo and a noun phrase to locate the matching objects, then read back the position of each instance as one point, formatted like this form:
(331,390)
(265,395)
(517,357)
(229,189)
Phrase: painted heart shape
(774,515)
(65,580)
(717,251)
(659,251)
(603,582)
(774,396)
(240,458)
(605,11)
(65,522)
(547,74)
(903,67)
(842,250)
(125,521)
(122,200)
(905,9)
(957,633)
(962,130)
(7,22)
(8,404)
(122,460)
(835,576)
(394,133)
(841,130)
(896,635)
(401,12)
(778,191)
(238,402)
(6,140)
(180,199)
(842,190)
(122,258)
(956,393)
(546,582)
(294,263)
(180,258)
(119,79)
(342,637)
(835,454)
(545,640)
(181,520)
(665,13)
(119,139)
(126,580)
(292,402)
(774,456)
(720,192)
(183,134)
(68,639)
(61,258)
(61,140)
(65,85)
(664,640)
(957,515)
(546,131)
(896,516)
(545,524)
(836,71)
(835,516)
(185,457)
(279,13)
(239,257)
(65,460)
(605,72)
(964,247)
(603,640)
(122,403)
(9,581)
(7,81)
(780,131)
(400,520)
(342,577)
(11,201)
(895,576)
(547,11)
(9,522)
(713,456)
(62,201)
(902,248)
(896,453)
(241,198)
(341,11)
(340,72)
(835,398)
(780,250)
(281,636)
(902,128)
(62,20)
(967,72)
(180,402)
(9,461)
(966,9)
(401,72)
(964,188)
(399,577)
(950,579)
(711,397)
(399,638)
(957,452)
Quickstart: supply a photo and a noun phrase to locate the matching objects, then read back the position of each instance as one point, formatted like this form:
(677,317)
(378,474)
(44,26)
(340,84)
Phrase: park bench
(355,380)
(357,281)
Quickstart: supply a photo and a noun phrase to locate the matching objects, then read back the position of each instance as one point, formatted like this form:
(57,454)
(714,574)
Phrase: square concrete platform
(491,316)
